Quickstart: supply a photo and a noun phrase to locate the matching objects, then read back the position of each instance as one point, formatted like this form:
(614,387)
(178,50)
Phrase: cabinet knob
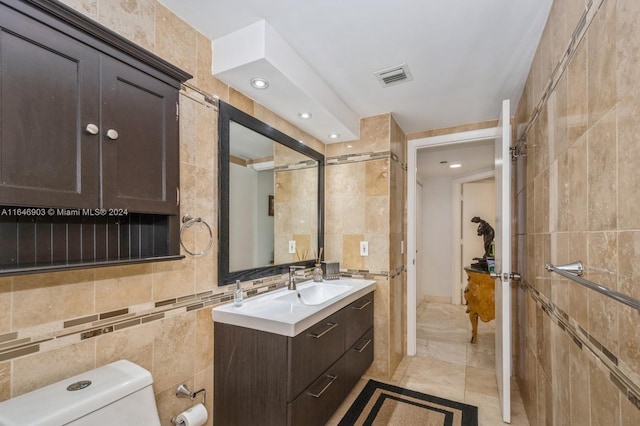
(92,129)
(112,134)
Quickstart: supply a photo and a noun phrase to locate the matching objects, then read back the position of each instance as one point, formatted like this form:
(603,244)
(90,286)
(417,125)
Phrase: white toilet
(116,394)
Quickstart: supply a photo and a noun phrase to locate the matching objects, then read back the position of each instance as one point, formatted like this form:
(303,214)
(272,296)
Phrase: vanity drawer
(314,350)
(359,318)
(317,403)
(357,359)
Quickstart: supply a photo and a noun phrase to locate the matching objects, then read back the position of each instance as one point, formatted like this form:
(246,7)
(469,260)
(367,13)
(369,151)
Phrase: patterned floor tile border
(619,374)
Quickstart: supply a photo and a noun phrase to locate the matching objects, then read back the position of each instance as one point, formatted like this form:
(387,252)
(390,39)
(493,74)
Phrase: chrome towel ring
(187,222)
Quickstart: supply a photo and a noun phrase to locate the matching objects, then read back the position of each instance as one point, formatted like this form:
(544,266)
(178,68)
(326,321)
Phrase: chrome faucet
(293,276)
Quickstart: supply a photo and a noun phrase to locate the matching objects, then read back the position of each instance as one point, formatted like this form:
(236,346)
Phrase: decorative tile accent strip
(4,356)
(354,158)
(112,314)
(199,95)
(79,321)
(9,336)
(165,302)
(608,360)
(13,345)
(578,34)
(306,164)
(152,318)
(127,324)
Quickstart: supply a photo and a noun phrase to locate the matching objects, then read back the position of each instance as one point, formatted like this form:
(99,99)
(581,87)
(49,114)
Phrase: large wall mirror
(271,190)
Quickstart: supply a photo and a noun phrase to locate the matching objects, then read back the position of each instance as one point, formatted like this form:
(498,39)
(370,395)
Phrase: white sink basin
(283,312)
(315,294)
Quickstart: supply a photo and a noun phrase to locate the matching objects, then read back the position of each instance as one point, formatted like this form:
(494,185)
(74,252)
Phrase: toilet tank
(119,393)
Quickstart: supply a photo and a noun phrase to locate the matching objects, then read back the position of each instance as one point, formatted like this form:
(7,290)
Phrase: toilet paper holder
(184,392)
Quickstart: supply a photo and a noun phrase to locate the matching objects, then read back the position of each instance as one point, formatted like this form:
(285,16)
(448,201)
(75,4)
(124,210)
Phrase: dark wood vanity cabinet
(83,123)
(270,379)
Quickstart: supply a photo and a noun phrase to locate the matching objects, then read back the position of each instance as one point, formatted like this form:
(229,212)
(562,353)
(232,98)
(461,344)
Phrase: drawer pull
(361,307)
(363,346)
(331,326)
(325,387)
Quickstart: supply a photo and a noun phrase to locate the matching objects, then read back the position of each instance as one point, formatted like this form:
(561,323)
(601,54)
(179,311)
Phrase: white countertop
(289,317)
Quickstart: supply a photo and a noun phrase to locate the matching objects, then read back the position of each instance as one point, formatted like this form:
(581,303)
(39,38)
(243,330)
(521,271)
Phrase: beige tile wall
(365,201)
(580,192)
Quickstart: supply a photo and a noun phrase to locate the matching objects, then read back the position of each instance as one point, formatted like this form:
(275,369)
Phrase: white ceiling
(473,158)
(466,56)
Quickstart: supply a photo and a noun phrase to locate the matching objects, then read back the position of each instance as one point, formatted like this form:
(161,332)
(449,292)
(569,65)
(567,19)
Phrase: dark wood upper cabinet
(88,120)
(49,86)
(139,160)
(83,124)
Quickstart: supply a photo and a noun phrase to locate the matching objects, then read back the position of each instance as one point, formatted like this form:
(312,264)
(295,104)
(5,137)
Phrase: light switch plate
(292,247)
(364,248)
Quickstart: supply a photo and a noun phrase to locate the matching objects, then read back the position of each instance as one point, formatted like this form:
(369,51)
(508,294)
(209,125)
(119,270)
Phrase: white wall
(265,243)
(435,261)
(478,199)
(250,226)
(243,196)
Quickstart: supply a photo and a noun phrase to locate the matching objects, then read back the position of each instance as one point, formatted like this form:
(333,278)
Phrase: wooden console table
(480,297)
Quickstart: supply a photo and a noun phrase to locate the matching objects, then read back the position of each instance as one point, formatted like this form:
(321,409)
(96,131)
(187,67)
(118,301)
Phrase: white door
(503,262)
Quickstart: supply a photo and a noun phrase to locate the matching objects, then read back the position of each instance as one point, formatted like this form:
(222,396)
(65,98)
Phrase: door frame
(412,153)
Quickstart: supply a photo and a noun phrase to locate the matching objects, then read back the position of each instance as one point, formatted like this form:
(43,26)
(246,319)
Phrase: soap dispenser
(237,295)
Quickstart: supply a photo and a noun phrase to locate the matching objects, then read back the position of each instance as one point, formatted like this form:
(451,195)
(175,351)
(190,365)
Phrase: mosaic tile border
(304,164)
(355,158)
(196,94)
(48,336)
(589,13)
(609,361)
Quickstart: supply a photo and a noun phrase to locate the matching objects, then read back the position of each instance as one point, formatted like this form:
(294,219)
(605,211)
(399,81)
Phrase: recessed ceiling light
(305,115)
(334,135)
(259,83)
(455,165)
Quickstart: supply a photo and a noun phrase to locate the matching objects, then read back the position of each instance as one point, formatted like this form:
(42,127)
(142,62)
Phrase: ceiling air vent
(394,75)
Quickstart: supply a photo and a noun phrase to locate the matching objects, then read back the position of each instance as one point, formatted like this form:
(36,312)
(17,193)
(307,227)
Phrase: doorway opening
(452,141)
(446,201)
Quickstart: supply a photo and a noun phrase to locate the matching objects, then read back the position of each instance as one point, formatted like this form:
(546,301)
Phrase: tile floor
(447,365)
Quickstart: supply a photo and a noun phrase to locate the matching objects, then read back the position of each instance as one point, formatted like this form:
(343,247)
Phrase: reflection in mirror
(271,192)
(250,193)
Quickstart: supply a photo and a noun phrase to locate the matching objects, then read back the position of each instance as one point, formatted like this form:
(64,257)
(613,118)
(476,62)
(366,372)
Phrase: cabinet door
(49,91)
(139,140)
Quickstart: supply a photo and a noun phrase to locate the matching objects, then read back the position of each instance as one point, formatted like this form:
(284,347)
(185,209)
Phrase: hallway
(447,365)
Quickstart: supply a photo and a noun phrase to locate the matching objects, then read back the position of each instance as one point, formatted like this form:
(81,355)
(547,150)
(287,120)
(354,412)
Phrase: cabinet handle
(325,387)
(361,307)
(92,129)
(112,134)
(331,326)
(359,350)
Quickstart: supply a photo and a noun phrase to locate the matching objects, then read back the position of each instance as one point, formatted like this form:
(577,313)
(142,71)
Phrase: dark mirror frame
(227,114)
